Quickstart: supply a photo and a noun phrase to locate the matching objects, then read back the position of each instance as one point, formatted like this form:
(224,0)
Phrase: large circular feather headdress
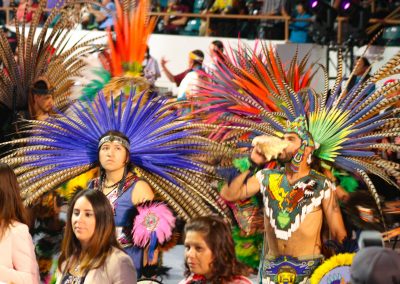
(169,154)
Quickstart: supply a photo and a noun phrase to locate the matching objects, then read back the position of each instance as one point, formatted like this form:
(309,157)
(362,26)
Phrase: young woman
(90,251)
(210,253)
(123,189)
(17,258)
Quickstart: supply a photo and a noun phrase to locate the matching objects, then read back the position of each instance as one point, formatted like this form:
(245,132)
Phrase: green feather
(89,92)
(349,183)
(242,164)
(248,249)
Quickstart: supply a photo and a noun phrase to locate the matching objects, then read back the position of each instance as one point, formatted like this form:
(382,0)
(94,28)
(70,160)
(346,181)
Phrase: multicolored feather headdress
(348,127)
(133,27)
(168,154)
(249,83)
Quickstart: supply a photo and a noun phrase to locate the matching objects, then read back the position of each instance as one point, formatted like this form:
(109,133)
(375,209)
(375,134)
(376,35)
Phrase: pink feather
(154,217)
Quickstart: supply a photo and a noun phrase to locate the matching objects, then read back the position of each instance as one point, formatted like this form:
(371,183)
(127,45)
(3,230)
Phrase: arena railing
(208,17)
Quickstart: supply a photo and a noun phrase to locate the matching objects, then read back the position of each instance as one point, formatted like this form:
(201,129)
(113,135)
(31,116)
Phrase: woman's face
(198,255)
(113,156)
(83,220)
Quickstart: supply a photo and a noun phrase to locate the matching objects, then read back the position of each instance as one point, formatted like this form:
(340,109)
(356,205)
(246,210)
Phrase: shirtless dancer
(296,198)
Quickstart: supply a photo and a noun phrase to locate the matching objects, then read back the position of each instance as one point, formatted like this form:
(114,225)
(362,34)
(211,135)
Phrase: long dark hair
(102,241)
(218,237)
(11,207)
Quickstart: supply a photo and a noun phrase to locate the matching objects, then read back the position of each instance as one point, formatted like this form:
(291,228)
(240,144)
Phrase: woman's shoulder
(18,227)
(120,265)
(241,280)
(119,256)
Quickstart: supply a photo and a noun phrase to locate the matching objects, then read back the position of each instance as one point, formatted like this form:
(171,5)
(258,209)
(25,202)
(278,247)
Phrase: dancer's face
(113,156)
(83,220)
(294,144)
(197,254)
(45,103)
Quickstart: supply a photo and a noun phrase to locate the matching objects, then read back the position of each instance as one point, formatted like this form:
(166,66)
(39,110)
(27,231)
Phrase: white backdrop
(176,49)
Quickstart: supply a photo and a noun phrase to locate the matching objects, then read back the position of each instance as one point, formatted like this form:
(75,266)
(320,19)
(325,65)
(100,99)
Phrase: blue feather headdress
(165,151)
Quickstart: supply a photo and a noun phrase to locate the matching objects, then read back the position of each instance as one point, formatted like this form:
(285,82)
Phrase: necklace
(113,185)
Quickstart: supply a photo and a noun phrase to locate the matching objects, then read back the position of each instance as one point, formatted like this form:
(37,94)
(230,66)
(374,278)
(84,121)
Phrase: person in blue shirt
(299,29)
(104,16)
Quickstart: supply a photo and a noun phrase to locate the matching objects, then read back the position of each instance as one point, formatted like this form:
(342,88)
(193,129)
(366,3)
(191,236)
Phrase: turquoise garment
(299,29)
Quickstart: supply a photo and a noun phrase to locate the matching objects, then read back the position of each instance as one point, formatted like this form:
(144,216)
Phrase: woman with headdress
(122,187)
(137,146)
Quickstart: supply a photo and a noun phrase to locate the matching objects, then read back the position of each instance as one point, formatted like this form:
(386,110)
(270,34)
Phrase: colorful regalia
(168,154)
(122,61)
(244,88)
(346,129)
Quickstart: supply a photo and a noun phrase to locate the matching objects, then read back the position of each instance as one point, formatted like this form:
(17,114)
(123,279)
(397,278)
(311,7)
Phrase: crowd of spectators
(100,17)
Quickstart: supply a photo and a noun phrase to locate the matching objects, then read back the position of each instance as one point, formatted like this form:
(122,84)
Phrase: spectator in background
(361,72)
(375,265)
(189,85)
(299,29)
(216,51)
(174,24)
(151,70)
(210,253)
(104,16)
(223,27)
(30,6)
(90,250)
(195,58)
(17,258)
(271,29)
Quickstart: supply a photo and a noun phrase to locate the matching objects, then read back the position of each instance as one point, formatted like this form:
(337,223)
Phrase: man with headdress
(41,101)
(296,199)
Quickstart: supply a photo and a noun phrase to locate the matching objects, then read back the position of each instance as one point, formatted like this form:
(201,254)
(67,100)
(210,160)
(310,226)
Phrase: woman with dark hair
(210,253)
(163,151)
(17,258)
(90,251)
(123,189)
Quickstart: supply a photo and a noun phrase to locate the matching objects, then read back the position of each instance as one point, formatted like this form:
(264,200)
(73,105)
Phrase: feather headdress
(40,53)
(251,83)
(348,126)
(133,27)
(168,154)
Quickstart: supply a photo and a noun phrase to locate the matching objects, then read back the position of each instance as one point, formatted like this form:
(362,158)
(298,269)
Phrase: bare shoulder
(142,192)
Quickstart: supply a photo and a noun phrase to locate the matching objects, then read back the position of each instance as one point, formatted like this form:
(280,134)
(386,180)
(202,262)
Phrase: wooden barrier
(208,17)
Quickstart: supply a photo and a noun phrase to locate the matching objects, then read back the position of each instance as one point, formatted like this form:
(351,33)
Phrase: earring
(309,159)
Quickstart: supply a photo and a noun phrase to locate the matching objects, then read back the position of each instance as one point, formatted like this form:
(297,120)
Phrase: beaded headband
(113,138)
